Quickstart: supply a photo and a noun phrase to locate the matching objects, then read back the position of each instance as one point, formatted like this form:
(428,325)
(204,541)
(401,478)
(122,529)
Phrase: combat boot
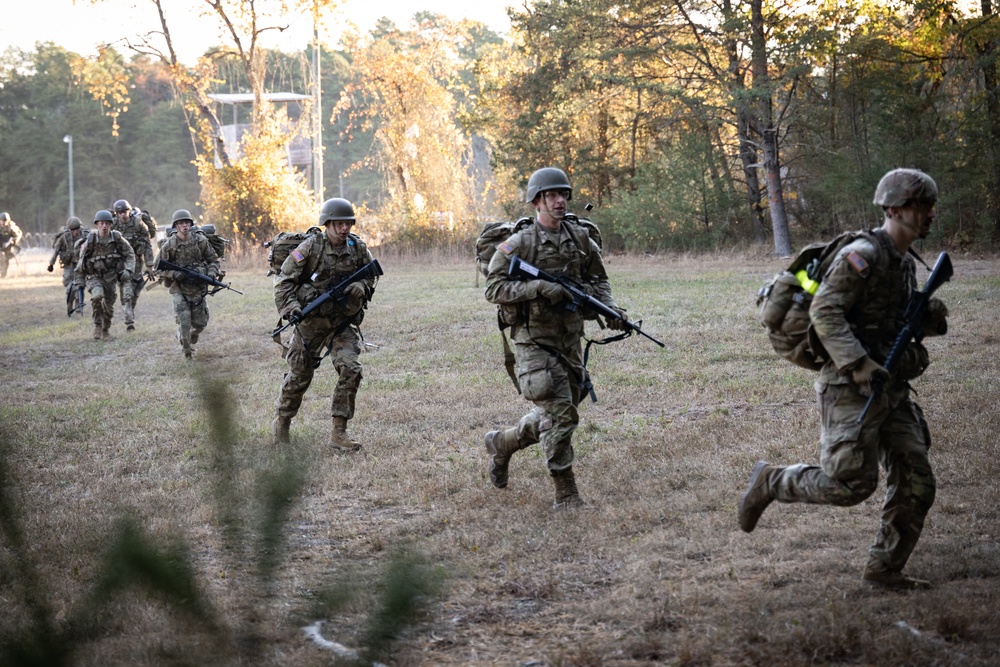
(106,333)
(279,428)
(194,335)
(339,440)
(500,445)
(98,332)
(566,494)
(877,575)
(757,497)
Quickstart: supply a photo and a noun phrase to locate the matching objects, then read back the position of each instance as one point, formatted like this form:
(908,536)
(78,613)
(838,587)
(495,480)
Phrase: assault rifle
(79,302)
(370,270)
(912,326)
(521,269)
(164,265)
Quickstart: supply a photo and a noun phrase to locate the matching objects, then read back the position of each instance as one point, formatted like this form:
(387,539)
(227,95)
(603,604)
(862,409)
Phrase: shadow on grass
(253,524)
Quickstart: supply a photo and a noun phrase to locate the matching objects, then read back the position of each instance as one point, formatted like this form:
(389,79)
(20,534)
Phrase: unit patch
(858,262)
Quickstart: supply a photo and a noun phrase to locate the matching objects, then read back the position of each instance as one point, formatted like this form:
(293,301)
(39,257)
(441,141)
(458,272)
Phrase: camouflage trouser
(102,291)
(555,390)
(4,262)
(895,436)
(130,290)
(68,278)
(190,313)
(311,337)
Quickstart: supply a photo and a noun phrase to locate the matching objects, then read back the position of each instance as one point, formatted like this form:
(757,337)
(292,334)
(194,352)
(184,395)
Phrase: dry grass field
(146,518)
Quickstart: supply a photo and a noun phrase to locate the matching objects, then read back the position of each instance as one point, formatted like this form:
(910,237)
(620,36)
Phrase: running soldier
(106,261)
(65,248)
(10,239)
(139,234)
(546,334)
(191,251)
(316,265)
(857,313)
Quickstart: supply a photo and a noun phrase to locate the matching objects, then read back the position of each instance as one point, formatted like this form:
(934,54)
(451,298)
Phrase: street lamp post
(69,140)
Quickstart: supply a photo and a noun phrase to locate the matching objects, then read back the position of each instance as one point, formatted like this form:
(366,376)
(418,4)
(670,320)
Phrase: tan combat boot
(757,497)
(279,427)
(106,333)
(339,440)
(877,575)
(500,445)
(97,332)
(566,494)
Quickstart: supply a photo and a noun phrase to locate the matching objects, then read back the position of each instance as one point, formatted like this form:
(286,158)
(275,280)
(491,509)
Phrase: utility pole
(68,139)
(317,111)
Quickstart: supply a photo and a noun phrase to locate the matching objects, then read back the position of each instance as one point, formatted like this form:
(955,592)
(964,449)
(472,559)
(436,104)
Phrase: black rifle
(912,326)
(370,270)
(78,300)
(164,265)
(521,269)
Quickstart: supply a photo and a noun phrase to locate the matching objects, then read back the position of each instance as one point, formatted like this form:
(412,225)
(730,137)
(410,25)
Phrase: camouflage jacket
(569,252)
(65,246)
(105,258)
(137,234)
(859,307)
(314,267)
(196,254)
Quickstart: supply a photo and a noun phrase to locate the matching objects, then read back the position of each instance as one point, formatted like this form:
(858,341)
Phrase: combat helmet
(121,206)
(547,178)
(73,223)
(905,187)
(104,215)
(5,217)
(181,214)
(336,209)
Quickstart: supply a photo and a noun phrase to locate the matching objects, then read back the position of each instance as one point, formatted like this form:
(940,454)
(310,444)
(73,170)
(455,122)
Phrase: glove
(355,291)
(294,313)
(553,292)
(49,268)
(935,317)
(864,372)
(150,274)
(618,325)
(914,362)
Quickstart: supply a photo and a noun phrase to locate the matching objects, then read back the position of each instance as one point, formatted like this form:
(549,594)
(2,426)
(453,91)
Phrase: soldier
(65,248)
(546,334)
(10,238)
(317,264)
(191,251)
(106,261)
(130,223)
(856,314)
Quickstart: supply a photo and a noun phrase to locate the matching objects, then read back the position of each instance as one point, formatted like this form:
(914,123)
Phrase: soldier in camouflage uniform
(546,334)
(192,251)
(106,261)
(10,238)
(856,314)
(65,248)
(130,223)
(317,264)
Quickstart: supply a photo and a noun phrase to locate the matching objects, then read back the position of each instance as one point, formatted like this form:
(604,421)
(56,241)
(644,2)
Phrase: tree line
(690,124)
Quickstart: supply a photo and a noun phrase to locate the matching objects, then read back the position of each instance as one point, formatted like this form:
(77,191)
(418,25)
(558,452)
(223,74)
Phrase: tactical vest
(190,255)
(878,316)
(103,255)
(64,247)
(135,232)
(323,270)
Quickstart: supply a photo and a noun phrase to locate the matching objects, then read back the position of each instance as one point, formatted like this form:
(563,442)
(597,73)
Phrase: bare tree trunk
(768,131)
(991,82)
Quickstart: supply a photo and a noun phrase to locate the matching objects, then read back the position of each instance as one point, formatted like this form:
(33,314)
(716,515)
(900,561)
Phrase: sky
(80,27)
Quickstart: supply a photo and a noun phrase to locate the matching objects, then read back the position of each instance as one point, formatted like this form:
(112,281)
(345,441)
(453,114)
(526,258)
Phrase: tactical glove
(293,313)
(864,372)
(616,323)
(49,268)
(355,293)
(553,292)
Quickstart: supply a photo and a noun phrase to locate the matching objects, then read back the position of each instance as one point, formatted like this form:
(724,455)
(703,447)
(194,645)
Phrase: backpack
(495,233)
(282,245)
(219,244)
(783,302)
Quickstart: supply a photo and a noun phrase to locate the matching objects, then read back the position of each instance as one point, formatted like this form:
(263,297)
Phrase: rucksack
(218,244)
(783,302)
(282,245)
(495,233)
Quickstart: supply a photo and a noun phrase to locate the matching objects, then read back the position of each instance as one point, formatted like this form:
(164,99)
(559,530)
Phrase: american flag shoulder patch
(505,248)
(858,262)
(299,257)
